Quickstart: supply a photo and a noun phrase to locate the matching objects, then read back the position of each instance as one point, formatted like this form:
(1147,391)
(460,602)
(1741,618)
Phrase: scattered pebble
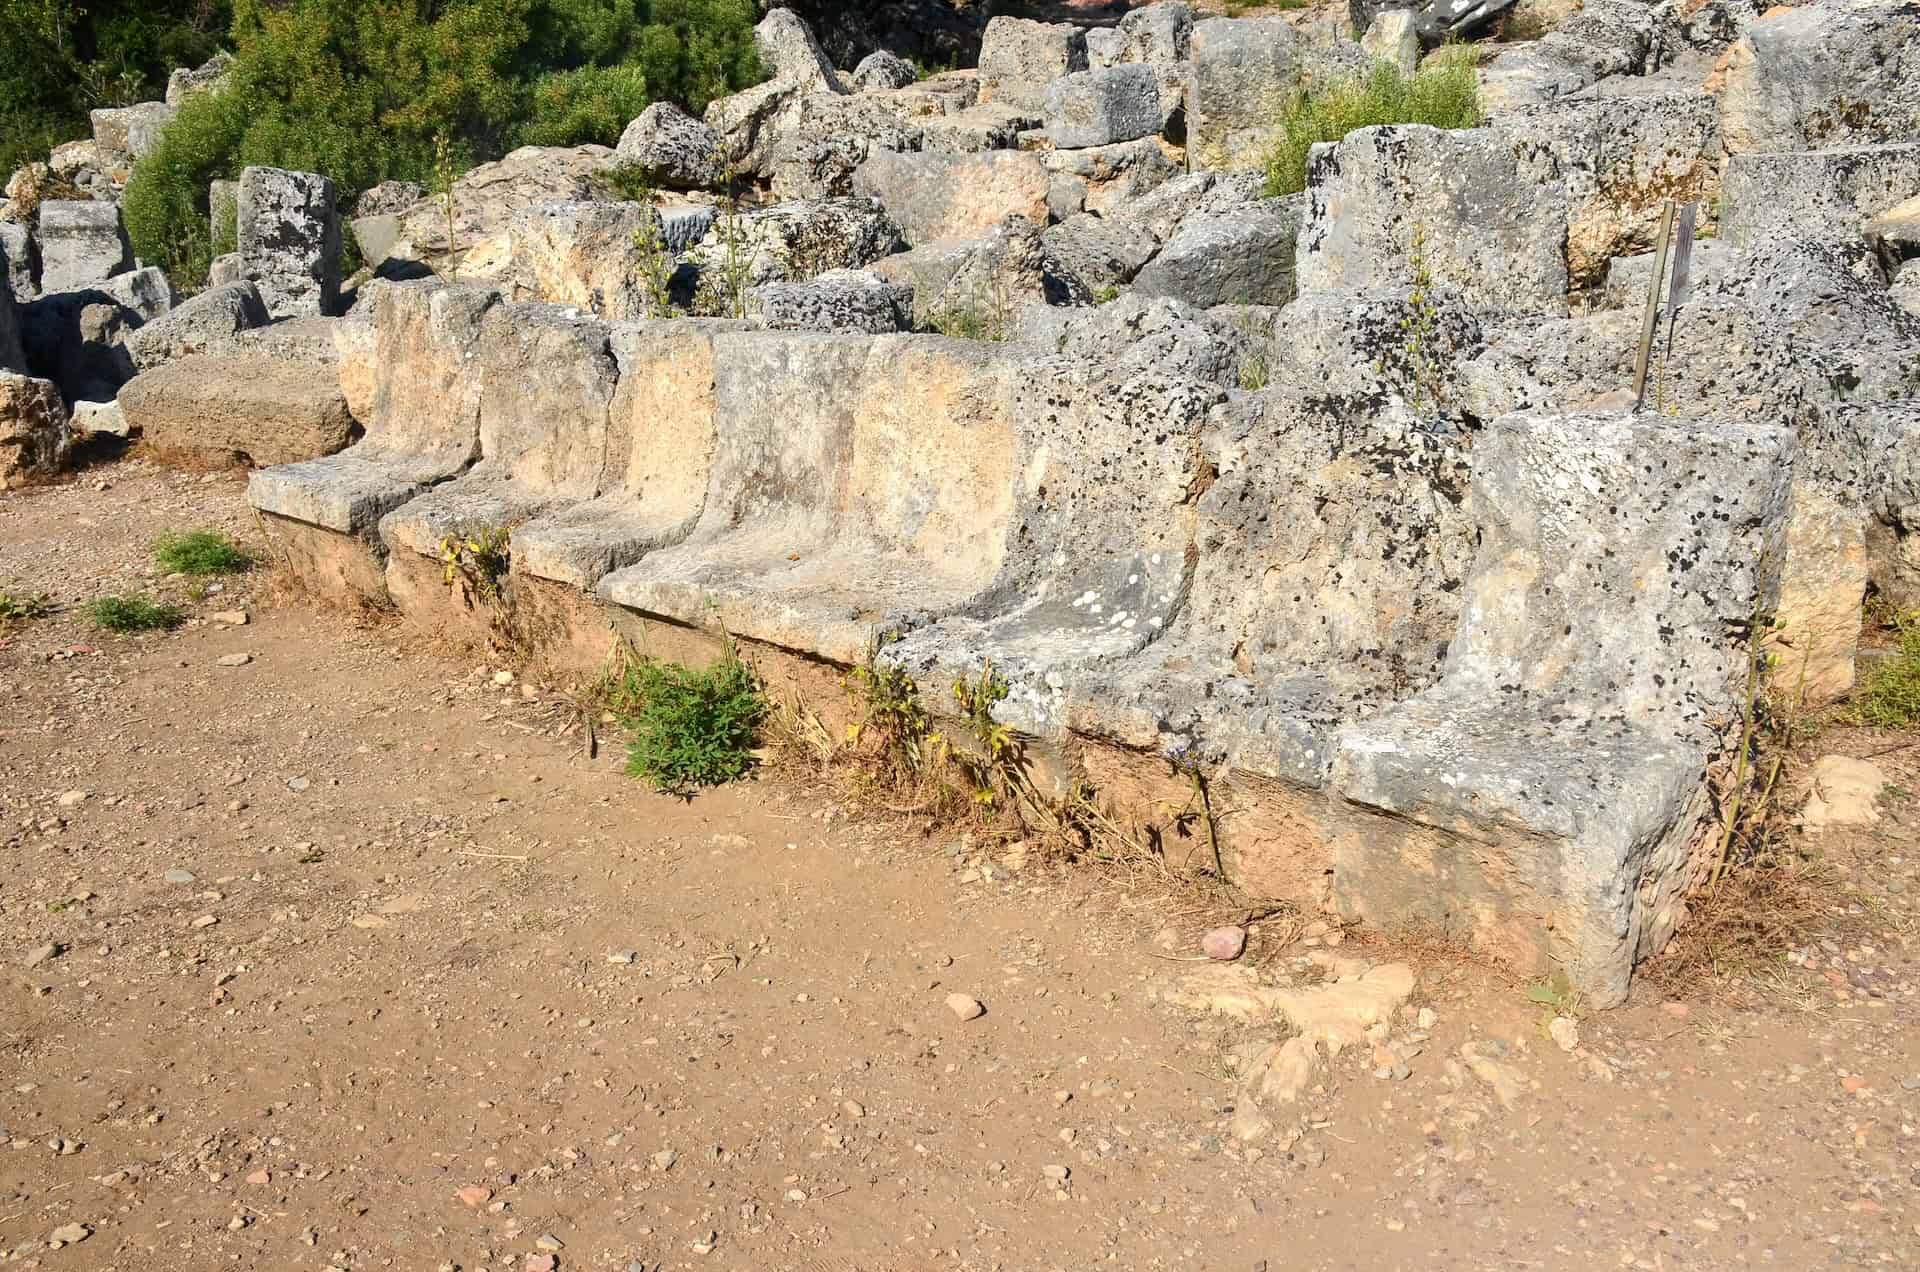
(234,660)
(1224,943)
(965,1006)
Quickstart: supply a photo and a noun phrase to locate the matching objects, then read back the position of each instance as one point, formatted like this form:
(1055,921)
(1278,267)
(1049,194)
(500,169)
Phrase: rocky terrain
(1326,491)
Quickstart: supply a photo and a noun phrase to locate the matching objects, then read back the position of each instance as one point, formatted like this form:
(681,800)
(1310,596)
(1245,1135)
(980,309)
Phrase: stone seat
(422,427)
(544,377)
(858,483)
(1520,801)
(1330,548)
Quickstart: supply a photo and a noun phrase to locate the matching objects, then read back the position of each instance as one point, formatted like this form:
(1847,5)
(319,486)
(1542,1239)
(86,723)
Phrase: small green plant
(22,607)
(200,552)
(444,177)
(1445,94)
(1890,699)
(1185,760)
(1255,373)
(999,761)
(478,558)
(1557,995)
(691,728)
(653,263)
(983,314)
(135,613)
(722,290)
(1420,327)
(1106,295)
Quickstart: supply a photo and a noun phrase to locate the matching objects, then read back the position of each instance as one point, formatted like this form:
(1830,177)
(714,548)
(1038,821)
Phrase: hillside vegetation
(357,89)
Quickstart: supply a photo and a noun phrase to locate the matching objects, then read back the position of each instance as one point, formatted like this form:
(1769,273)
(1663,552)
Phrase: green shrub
(360,89)
(1445,94)
(690,728)
(137,613)
(1891,697)
(200,552)
(587,104)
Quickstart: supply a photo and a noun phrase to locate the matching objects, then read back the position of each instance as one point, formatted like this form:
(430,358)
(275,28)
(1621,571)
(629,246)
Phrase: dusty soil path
(440,985)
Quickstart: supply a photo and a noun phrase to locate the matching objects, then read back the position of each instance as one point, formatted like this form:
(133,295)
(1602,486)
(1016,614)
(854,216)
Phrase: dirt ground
(362,962)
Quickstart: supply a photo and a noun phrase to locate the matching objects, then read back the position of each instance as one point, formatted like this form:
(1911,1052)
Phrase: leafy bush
(59,59)
(691,728)
(137,613)
(360,89)
(1445,94)
(200,552)
(1891,697)
(587,104)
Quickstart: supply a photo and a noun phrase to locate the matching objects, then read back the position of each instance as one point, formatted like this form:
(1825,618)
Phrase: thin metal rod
(1653,304)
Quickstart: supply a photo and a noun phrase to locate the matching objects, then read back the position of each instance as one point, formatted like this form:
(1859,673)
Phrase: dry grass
(1739,932)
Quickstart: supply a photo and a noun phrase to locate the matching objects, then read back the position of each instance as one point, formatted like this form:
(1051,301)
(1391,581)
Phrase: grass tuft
(691,728)
(1445,94)
(1890,699)
(200,552)
(138,613)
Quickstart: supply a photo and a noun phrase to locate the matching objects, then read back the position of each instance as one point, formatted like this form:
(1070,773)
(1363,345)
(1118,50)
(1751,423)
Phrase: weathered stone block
(838,300)
(1843,73)
(1020,57)
(214,406)
(881,71)
(1238,258)
(1157,34)
(289,240)
(1244,71)
(81,242)
(1618,159)
(790,52)
(34,436)
(584,254)
(1485,227)
(132,131)
(205,323)
(940,196)
(670,148)
(1823,195)
(1100,108)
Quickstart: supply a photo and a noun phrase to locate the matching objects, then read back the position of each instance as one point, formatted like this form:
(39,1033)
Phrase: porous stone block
(1100,108)
(289,240)
(1485,225)
(34,436)
(260,409)
(1020,57)
(944,196)
(81,242)
(670,149)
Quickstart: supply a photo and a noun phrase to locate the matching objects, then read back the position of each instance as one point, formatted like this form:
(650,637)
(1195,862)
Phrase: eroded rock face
(838,300)
(486,200)
(794,241)
(1244,257)
(790,52)
(289,240)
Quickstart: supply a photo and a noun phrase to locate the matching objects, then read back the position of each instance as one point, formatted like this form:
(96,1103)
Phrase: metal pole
(1653,305)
